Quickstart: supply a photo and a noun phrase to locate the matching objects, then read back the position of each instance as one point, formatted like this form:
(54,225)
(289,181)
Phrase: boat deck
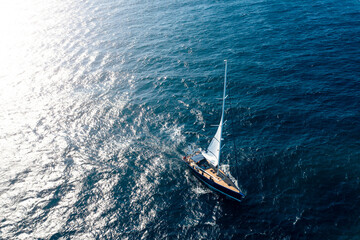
(207,170)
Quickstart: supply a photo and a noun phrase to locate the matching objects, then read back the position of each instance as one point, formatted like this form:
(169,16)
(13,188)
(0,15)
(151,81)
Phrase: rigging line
(232,130)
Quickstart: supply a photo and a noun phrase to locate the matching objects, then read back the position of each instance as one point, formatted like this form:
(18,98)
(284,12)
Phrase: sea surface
(99,101)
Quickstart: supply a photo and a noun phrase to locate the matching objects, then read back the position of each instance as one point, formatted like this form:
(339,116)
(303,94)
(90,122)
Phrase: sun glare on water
(24,59)
(16,31)
(18,44)
(29,55)
(26,50)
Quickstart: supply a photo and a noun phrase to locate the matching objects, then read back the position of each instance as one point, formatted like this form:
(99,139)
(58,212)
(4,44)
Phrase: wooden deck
(210,172)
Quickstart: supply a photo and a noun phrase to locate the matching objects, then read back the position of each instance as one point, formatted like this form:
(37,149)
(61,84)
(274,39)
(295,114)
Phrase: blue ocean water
(100,99)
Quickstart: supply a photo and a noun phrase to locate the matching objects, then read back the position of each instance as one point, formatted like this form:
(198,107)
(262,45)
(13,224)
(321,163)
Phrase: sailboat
(206,164)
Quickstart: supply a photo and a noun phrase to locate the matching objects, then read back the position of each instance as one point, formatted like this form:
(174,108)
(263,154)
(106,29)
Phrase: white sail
(212,153)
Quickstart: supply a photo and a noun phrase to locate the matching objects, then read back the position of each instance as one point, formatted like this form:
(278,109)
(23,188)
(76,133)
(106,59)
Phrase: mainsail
(212,153)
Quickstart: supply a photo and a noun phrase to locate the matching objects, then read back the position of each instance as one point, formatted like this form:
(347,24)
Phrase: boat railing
(200,170)
(203,171)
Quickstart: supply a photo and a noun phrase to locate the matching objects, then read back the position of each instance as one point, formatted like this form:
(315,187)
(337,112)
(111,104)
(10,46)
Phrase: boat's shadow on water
(231,206)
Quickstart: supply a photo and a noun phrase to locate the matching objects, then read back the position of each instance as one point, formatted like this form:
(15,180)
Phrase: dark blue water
(100,99)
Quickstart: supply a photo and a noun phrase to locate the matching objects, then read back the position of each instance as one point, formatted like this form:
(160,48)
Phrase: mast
(222,115)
